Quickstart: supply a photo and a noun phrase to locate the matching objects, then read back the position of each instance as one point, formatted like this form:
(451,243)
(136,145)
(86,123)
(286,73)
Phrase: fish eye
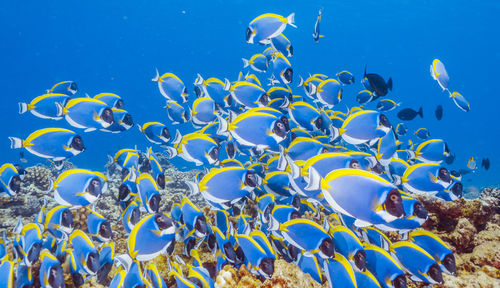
(355,164)
(393,204)
(318,123)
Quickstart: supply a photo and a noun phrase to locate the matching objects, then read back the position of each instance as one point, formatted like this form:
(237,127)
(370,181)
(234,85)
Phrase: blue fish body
(148,240)
(88,113)
(363,126)
(84,255)
(417,262)
(10,180)
(79,187)
(156,132)
(366,279)
(59,222)
(433,245)
(149,193)
(339,272)
(384,267)
(47,106)
(51,272)
(309,264)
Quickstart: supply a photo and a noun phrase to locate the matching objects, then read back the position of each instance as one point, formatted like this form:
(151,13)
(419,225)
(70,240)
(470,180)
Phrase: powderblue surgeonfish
(366,279)
(308,236)
(59,222)
(214,88)
(267,26)
(329,92)
(460,101)
(152,236)
(52,143)
(259,254)
(387,105)
(99,227)
(199,148)
(437,248)
(258,129)
(281,68)
(193,219)
(426,178)
(345,77)
(148,192)
(47,106)
(224,186)
(79,187)
(155,132)
(364,96)
(176,112)
(438,73)
(422,133)
(10,180)
(432,151)
(171,87)
(88,113)
(50,273)
(112,100)
(257,62)
(24,276)
(339,272)
(126,159)
(131,216)
(106,261)
(377,201)
(203,111)
(283,45)
(64,87)
(375,237)
(305,115)
(316,34)
(348,244)
(7,270)
(27,242)
(420,264)
(386,148)
(401,129)
(84,257)
(248,94)
(364,126)
(387,271)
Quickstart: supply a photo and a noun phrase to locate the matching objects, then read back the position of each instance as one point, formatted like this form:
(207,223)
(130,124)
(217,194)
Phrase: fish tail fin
(290,20)
(199,80)
(313,89)
(23,108)
(301,81)
(246,63)
(389,84)
(178,137)
(59,164)
(223,125)
(15,143)
(51,187)
(171,152)
(421,112)
(157,77)
(227,84)
(282,161)
(60,109)
(193,187)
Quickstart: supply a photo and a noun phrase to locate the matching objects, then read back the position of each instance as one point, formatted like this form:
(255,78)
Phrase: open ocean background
(114,46)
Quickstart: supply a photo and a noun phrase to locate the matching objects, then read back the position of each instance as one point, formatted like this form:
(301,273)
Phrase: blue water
(114,46)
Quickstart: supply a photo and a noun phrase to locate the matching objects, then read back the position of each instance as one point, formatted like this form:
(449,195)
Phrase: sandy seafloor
(470,227)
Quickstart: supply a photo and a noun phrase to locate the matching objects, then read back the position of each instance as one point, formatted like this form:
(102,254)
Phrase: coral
(40,176)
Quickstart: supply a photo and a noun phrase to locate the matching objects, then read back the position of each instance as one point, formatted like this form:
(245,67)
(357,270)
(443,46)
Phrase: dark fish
(21,157)
(439,112)
(378,84)
(485,163)
(410,114)
(463,171)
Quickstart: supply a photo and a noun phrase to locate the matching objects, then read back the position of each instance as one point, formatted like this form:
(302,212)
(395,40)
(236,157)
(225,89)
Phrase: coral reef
(470,227)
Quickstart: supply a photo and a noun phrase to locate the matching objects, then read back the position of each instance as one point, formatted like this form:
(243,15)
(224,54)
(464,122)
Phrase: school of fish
(288,152)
